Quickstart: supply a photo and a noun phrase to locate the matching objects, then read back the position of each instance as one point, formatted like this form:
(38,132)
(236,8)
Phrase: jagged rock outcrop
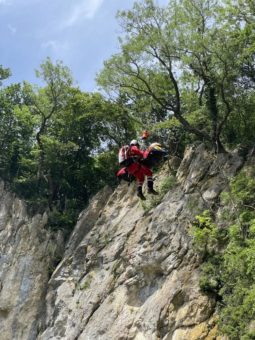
(132,274)
(128,271)
(27,255)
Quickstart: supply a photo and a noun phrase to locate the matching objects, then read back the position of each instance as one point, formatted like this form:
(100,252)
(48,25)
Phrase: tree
(50,100)
(4,73)
(184,58)
(16,128)
(71,130)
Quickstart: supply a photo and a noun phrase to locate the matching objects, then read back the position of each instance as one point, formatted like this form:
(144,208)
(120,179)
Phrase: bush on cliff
(228,270)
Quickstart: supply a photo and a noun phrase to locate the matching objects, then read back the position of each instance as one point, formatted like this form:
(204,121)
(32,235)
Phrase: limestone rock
(126,273)
(27,253)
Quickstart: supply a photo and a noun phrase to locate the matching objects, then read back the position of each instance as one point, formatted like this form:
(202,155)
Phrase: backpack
(154,156)
(125,158)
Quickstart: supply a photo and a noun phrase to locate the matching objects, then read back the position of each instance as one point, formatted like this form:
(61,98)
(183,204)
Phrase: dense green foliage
(192,60)
(186,72)
(229,257)
(58,144)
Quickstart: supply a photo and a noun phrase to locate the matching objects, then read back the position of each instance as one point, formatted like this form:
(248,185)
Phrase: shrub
(228,270)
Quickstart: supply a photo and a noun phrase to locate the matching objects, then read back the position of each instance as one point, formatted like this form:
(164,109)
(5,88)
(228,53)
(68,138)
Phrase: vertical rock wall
(128,270)
(27,252)
(131,273)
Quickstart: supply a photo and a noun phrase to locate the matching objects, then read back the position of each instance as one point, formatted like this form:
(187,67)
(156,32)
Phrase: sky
(80,33)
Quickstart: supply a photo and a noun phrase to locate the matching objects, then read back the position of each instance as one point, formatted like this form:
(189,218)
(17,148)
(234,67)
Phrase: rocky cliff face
(127,272)
(27,253)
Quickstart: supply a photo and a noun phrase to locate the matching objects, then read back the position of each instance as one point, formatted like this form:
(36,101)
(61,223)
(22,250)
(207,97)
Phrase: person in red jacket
(139,170)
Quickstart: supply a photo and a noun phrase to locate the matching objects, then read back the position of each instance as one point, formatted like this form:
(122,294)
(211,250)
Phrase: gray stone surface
(27,252)
(126,273)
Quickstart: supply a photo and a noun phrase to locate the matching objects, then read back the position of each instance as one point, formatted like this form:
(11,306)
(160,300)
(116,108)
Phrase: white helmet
(134,142)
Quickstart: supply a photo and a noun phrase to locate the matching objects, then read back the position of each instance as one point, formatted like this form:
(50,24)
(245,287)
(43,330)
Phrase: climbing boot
(150,188)
(140,193)
(152,191)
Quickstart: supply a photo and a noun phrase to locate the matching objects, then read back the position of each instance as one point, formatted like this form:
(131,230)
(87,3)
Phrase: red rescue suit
(137,169)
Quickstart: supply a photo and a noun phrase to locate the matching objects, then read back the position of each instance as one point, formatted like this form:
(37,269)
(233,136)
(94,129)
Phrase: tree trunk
(211,103)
